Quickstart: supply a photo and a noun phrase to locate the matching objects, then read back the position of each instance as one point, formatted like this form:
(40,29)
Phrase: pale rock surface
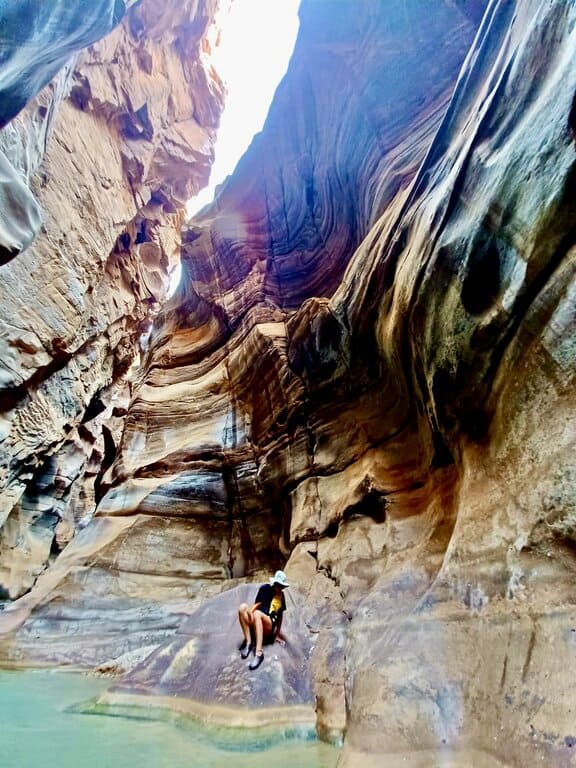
(369,371)
(111,151)
(200,670)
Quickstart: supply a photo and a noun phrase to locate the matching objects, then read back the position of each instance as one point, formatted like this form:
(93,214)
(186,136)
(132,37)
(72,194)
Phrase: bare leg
(245,619)
(262,624)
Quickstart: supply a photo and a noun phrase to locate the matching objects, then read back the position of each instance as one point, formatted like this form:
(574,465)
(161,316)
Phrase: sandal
(245,648)
(256,661)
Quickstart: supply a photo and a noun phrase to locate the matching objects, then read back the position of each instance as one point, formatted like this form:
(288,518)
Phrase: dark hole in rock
(136,125)
(572,118)
(144,119)
(7,254)
(107,461)
(159,198)
(482,281)
(55,548)
(443,388)
(442,455)
(373,505)
(95,408)
(81,94)
(85,435)
(141,235)
(332,530)
(59,350)
(124,241)
(475,423)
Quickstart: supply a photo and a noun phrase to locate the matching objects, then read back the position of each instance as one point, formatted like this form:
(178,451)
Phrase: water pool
(38,729)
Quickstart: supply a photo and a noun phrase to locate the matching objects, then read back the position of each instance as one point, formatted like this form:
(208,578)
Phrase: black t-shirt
(265,596)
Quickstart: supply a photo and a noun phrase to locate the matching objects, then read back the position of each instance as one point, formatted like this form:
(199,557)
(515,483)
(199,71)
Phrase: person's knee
(243,608)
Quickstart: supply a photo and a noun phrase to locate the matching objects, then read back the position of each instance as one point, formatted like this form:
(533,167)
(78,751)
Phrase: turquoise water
(39,730)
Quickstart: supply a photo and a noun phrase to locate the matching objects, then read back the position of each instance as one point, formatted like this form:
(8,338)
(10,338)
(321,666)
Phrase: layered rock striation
(111,151)
(368,371)
(37,42)
(234,345)
(200,672)
(224,484)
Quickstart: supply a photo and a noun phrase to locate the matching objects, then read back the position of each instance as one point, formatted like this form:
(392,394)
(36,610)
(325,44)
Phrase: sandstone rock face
(229,349)
(111,150)
(37,41)
(212,484)
(38,38)
(481,311)
(201,670)
(369,370)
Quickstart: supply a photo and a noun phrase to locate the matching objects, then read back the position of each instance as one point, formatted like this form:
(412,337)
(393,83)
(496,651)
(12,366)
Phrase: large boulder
(200,671)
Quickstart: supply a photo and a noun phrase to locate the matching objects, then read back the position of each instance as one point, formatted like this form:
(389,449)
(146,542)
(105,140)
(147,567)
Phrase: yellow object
(276,604)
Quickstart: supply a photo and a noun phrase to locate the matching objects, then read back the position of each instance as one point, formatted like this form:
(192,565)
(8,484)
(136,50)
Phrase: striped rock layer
(368,373)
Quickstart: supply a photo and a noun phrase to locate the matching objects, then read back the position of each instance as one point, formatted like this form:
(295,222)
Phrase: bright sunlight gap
(257,41)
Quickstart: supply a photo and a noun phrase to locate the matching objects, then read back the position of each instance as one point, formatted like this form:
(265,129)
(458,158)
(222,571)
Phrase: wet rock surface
(201,665)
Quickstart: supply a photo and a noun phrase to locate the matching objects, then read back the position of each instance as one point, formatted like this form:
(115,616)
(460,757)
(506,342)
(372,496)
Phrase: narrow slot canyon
(364,376)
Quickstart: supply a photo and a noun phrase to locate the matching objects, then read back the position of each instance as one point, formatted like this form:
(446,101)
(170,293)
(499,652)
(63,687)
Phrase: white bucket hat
(279,578)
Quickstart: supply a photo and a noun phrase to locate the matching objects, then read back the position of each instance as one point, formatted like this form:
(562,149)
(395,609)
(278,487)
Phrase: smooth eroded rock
(200,670)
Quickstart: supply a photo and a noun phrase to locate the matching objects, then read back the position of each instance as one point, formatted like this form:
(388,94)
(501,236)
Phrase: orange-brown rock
(242,456)
(369,370)
(112,150)
(248,435)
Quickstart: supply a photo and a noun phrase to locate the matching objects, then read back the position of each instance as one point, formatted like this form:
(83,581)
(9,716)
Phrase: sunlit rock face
(108,154)
(227,435)
(369,371)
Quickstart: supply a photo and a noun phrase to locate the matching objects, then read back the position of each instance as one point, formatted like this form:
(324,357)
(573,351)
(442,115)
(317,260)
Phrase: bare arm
(279,638)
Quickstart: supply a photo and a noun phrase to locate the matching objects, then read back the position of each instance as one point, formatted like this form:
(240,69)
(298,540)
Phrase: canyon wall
(368,372)
(224,438)
(107,156)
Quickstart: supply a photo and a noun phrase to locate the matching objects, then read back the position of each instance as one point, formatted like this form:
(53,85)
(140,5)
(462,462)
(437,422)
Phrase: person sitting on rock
(264,619)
